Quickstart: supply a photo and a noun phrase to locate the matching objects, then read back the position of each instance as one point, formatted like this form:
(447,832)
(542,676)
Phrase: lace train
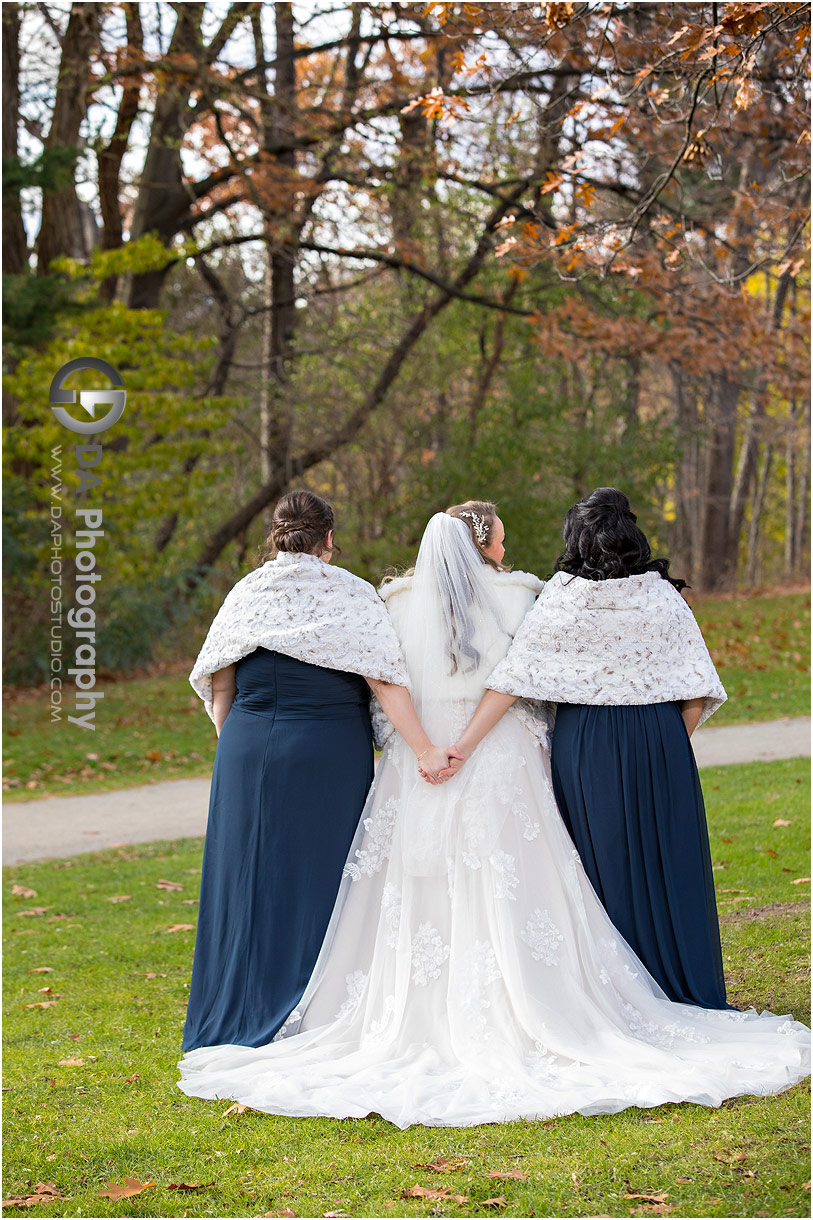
(471,975)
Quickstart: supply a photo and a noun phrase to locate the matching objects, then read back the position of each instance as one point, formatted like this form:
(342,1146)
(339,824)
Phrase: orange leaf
(781,822)
(22,891)
(237,1107)
(44,1192)
(801,881)
(500,1201)
(71,1063)
(193,1186)
(41,1004)
(445,1165)
(507,1173)
(120,898)
(182,927)
(424,1192)
(36,911)
(287,1211)
(168,885)
(131,1187)
(41,970)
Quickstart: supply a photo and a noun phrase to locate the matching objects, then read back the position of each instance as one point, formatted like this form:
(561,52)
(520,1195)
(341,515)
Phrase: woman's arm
(224,689)
(399,709)
(691,710)
(491,708)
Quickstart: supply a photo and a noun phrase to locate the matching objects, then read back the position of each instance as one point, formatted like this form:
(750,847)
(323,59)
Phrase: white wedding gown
(470,974)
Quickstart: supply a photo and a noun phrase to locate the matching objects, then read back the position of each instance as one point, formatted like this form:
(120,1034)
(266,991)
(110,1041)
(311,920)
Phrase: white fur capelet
(298,605)
(628,641)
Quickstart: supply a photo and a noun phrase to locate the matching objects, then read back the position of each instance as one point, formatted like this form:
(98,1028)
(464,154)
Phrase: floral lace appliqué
(428,954)
(356,982)
(543,938)
(505,874)
(377,842)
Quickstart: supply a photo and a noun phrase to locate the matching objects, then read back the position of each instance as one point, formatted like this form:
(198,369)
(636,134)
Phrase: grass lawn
(153,729)
(761,647)
(90,1096)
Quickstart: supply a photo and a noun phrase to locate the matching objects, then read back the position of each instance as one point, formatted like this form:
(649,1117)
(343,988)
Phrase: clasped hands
(441,763)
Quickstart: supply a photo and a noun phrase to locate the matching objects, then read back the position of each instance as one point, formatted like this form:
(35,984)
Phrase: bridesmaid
(614,645)
(285,673)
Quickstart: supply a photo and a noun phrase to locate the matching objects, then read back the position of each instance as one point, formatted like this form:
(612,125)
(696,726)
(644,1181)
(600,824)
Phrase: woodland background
(404,254)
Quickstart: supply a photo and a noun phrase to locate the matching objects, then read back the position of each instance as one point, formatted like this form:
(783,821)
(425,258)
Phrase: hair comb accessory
(479,525)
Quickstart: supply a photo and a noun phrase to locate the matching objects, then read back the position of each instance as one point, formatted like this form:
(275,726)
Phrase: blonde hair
(479,516)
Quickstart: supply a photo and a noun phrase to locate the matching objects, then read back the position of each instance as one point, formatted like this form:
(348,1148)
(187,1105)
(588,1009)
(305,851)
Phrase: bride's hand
(433,761)
(456,759)
(446,763)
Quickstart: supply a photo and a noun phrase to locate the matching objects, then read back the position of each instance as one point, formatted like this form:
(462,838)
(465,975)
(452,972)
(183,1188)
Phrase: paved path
(67,825)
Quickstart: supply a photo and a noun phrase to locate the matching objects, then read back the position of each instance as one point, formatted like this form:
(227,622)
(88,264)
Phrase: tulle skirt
(470,974)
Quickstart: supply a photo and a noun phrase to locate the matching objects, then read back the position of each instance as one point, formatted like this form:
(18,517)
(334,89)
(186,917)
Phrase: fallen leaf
(116,1191)
(334,1214)
(507,1173)
(182,927)
(781,822)
(424,1192)
(23,891)
(154,755)
(71,1063)
(237,1107)
(445,1164)
(500,1201)
(41,1004)
(131,1080)
(287,1211)
(120,898)
(801,881)
(168,885)
(36,911)
(41,970)
(684,1181)
(649,1197)
(44,1192)
(191,1185)
(153,975)
(189,902)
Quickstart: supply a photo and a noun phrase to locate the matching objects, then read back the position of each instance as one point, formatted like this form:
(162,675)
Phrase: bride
(469,973)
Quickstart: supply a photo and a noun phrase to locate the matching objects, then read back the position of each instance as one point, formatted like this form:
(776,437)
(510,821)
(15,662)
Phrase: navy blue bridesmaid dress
(293,766)
(627,786)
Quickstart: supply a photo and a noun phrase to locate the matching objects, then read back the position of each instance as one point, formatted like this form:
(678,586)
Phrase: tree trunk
(802,522)
(61,229)
(109,159)
(162,199)
(746,465)
(687,490)
(755,525)
(718,562)
(15,249)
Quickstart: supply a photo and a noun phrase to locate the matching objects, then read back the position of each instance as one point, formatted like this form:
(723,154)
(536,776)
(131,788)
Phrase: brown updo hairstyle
(301,523)
(488,512)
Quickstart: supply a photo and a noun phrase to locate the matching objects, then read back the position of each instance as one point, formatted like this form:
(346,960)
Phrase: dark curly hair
(602,541)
